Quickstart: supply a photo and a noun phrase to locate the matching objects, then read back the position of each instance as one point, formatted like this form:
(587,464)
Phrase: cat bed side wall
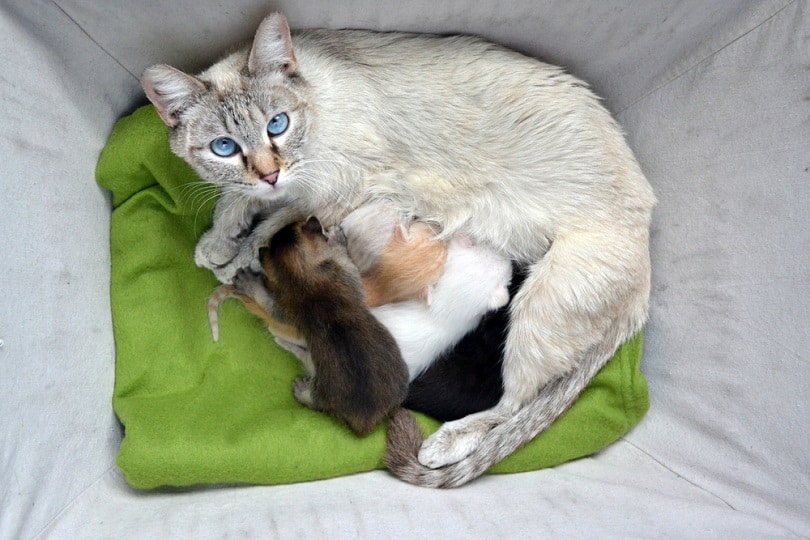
(714,100)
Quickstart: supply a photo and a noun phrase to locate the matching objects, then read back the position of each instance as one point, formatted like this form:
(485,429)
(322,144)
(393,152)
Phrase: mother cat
(512,152)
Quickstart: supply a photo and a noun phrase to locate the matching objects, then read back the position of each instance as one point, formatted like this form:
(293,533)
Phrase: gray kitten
(479,140)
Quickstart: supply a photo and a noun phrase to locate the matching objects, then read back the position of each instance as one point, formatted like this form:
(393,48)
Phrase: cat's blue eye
(224,147)
(278,124)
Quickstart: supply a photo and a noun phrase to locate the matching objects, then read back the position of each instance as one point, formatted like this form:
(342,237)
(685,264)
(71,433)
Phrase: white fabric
(715,100)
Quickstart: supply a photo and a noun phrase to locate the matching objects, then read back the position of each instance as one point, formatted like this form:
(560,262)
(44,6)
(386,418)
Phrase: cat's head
(242,123)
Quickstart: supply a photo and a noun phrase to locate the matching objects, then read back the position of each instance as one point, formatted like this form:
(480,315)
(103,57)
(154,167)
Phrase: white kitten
(475,281)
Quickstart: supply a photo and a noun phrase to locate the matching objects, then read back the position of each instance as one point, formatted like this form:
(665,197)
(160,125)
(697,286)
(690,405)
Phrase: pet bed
(199,412)
(713,97)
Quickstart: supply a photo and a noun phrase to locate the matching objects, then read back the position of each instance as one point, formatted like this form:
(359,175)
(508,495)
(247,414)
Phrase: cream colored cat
(477,139)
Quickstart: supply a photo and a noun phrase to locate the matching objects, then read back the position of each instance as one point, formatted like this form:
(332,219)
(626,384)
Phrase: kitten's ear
(499,298)
(171,91)
(272,46)
(426,295)
(313,226)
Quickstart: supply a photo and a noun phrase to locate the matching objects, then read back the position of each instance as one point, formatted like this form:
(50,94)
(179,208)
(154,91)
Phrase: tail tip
(403,440)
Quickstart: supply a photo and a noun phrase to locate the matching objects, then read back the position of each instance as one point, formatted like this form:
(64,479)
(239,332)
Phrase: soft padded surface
(196,411)
(713,97)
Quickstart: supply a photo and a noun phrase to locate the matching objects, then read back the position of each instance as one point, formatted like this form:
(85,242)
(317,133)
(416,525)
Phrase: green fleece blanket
(199,412)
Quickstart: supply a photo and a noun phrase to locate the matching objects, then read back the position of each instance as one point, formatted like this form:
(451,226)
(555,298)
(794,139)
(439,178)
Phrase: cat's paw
(214,251)
(448,446)
(246,259)
(302,390)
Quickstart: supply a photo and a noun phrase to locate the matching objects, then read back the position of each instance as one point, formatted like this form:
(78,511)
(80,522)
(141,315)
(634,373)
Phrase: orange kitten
(412,262)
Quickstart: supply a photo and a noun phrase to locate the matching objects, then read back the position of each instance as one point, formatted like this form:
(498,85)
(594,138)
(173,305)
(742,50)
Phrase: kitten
(465,134)
(475,281)
(358,373)
(408,264)
(466,378)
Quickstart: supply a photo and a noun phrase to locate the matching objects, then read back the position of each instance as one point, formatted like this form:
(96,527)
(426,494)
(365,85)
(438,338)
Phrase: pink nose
(271,178)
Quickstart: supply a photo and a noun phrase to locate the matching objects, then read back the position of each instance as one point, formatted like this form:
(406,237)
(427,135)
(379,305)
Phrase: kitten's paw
(302,390)
(448,446)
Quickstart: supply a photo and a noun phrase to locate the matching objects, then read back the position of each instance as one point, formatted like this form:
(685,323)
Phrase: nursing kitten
(466,378)
(358,374)
(475,281)
(408,264)
(467,135)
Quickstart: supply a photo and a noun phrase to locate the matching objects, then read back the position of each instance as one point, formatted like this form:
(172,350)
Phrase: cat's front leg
(217,248)
(247,256)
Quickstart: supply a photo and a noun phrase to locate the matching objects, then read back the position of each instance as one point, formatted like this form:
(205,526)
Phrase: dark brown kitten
(359,375)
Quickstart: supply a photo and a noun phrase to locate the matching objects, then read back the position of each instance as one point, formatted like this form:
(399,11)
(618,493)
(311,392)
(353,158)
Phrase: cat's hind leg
(590,288)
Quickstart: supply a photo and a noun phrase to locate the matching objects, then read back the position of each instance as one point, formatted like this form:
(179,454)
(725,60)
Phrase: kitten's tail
(405,437)
(217,296)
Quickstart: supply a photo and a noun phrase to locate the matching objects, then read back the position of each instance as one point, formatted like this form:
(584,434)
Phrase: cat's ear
(272,47)
(171,91)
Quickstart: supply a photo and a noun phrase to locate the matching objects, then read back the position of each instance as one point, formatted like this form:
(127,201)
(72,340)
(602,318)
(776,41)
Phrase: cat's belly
(517,230)
(508,215)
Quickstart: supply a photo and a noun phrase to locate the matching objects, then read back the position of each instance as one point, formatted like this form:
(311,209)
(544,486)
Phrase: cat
(477,139)
(356,371)
(475,281)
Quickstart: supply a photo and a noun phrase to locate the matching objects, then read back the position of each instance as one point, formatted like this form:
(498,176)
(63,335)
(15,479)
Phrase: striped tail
(404,437)
(217,296)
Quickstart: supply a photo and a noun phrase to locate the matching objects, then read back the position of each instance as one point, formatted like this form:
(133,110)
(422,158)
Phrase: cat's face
(243,123)
(251,140)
